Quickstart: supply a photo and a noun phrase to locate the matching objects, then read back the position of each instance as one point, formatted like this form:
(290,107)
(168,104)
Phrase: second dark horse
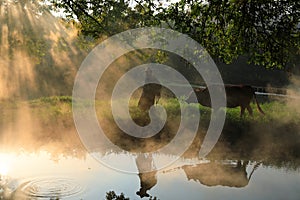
(236,95)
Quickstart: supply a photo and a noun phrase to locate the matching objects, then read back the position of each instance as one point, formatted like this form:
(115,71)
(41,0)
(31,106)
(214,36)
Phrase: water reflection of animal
(150,92)
(213,174)
(147,174)
(236,95)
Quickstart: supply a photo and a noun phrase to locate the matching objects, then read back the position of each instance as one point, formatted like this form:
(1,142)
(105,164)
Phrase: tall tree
(267,31)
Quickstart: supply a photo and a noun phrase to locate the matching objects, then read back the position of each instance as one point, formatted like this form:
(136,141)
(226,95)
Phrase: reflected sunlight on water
(38,175)
(41,157)
(5,164)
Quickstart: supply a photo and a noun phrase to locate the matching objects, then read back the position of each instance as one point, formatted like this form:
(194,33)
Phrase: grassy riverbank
(58,109)
(41,122)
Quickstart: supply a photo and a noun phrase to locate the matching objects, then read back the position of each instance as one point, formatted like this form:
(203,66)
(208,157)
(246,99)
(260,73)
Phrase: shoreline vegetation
(273,139)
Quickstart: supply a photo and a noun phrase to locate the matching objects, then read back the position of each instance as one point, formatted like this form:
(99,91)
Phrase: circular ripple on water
(51,187)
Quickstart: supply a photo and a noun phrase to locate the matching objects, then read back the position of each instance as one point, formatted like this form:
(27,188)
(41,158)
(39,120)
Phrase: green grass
(274,111)
(53,100)
(51,107)
(61,106)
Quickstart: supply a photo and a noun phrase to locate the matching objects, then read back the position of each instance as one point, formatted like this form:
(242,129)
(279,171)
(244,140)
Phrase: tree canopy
(266,31)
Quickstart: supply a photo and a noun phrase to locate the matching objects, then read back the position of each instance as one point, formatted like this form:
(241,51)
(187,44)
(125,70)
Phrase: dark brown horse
(236,95)
(151,92)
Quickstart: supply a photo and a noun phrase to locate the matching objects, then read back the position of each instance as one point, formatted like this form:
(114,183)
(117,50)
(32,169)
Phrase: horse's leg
(157,99)
(250,110)
(242,111)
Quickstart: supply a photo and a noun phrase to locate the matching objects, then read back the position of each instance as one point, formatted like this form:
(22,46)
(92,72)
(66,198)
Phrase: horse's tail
(258,106)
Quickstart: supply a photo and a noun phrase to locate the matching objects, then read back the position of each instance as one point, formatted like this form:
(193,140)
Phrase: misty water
(38,176)
(42,157)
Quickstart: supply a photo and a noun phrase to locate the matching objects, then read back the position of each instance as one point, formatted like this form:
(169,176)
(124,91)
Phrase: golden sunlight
(36,50)
(5,161)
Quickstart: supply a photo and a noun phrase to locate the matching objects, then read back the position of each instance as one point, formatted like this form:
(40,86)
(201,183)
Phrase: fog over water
(40,150)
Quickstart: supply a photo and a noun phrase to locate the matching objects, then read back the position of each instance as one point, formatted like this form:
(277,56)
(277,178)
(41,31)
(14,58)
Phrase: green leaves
(265,31)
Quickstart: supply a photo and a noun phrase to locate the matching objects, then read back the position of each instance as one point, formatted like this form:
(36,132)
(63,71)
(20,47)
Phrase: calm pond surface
(54,173)
(40,176)
(46,160)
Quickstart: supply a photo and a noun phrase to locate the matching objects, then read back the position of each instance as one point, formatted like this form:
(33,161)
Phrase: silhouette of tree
(111,195)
